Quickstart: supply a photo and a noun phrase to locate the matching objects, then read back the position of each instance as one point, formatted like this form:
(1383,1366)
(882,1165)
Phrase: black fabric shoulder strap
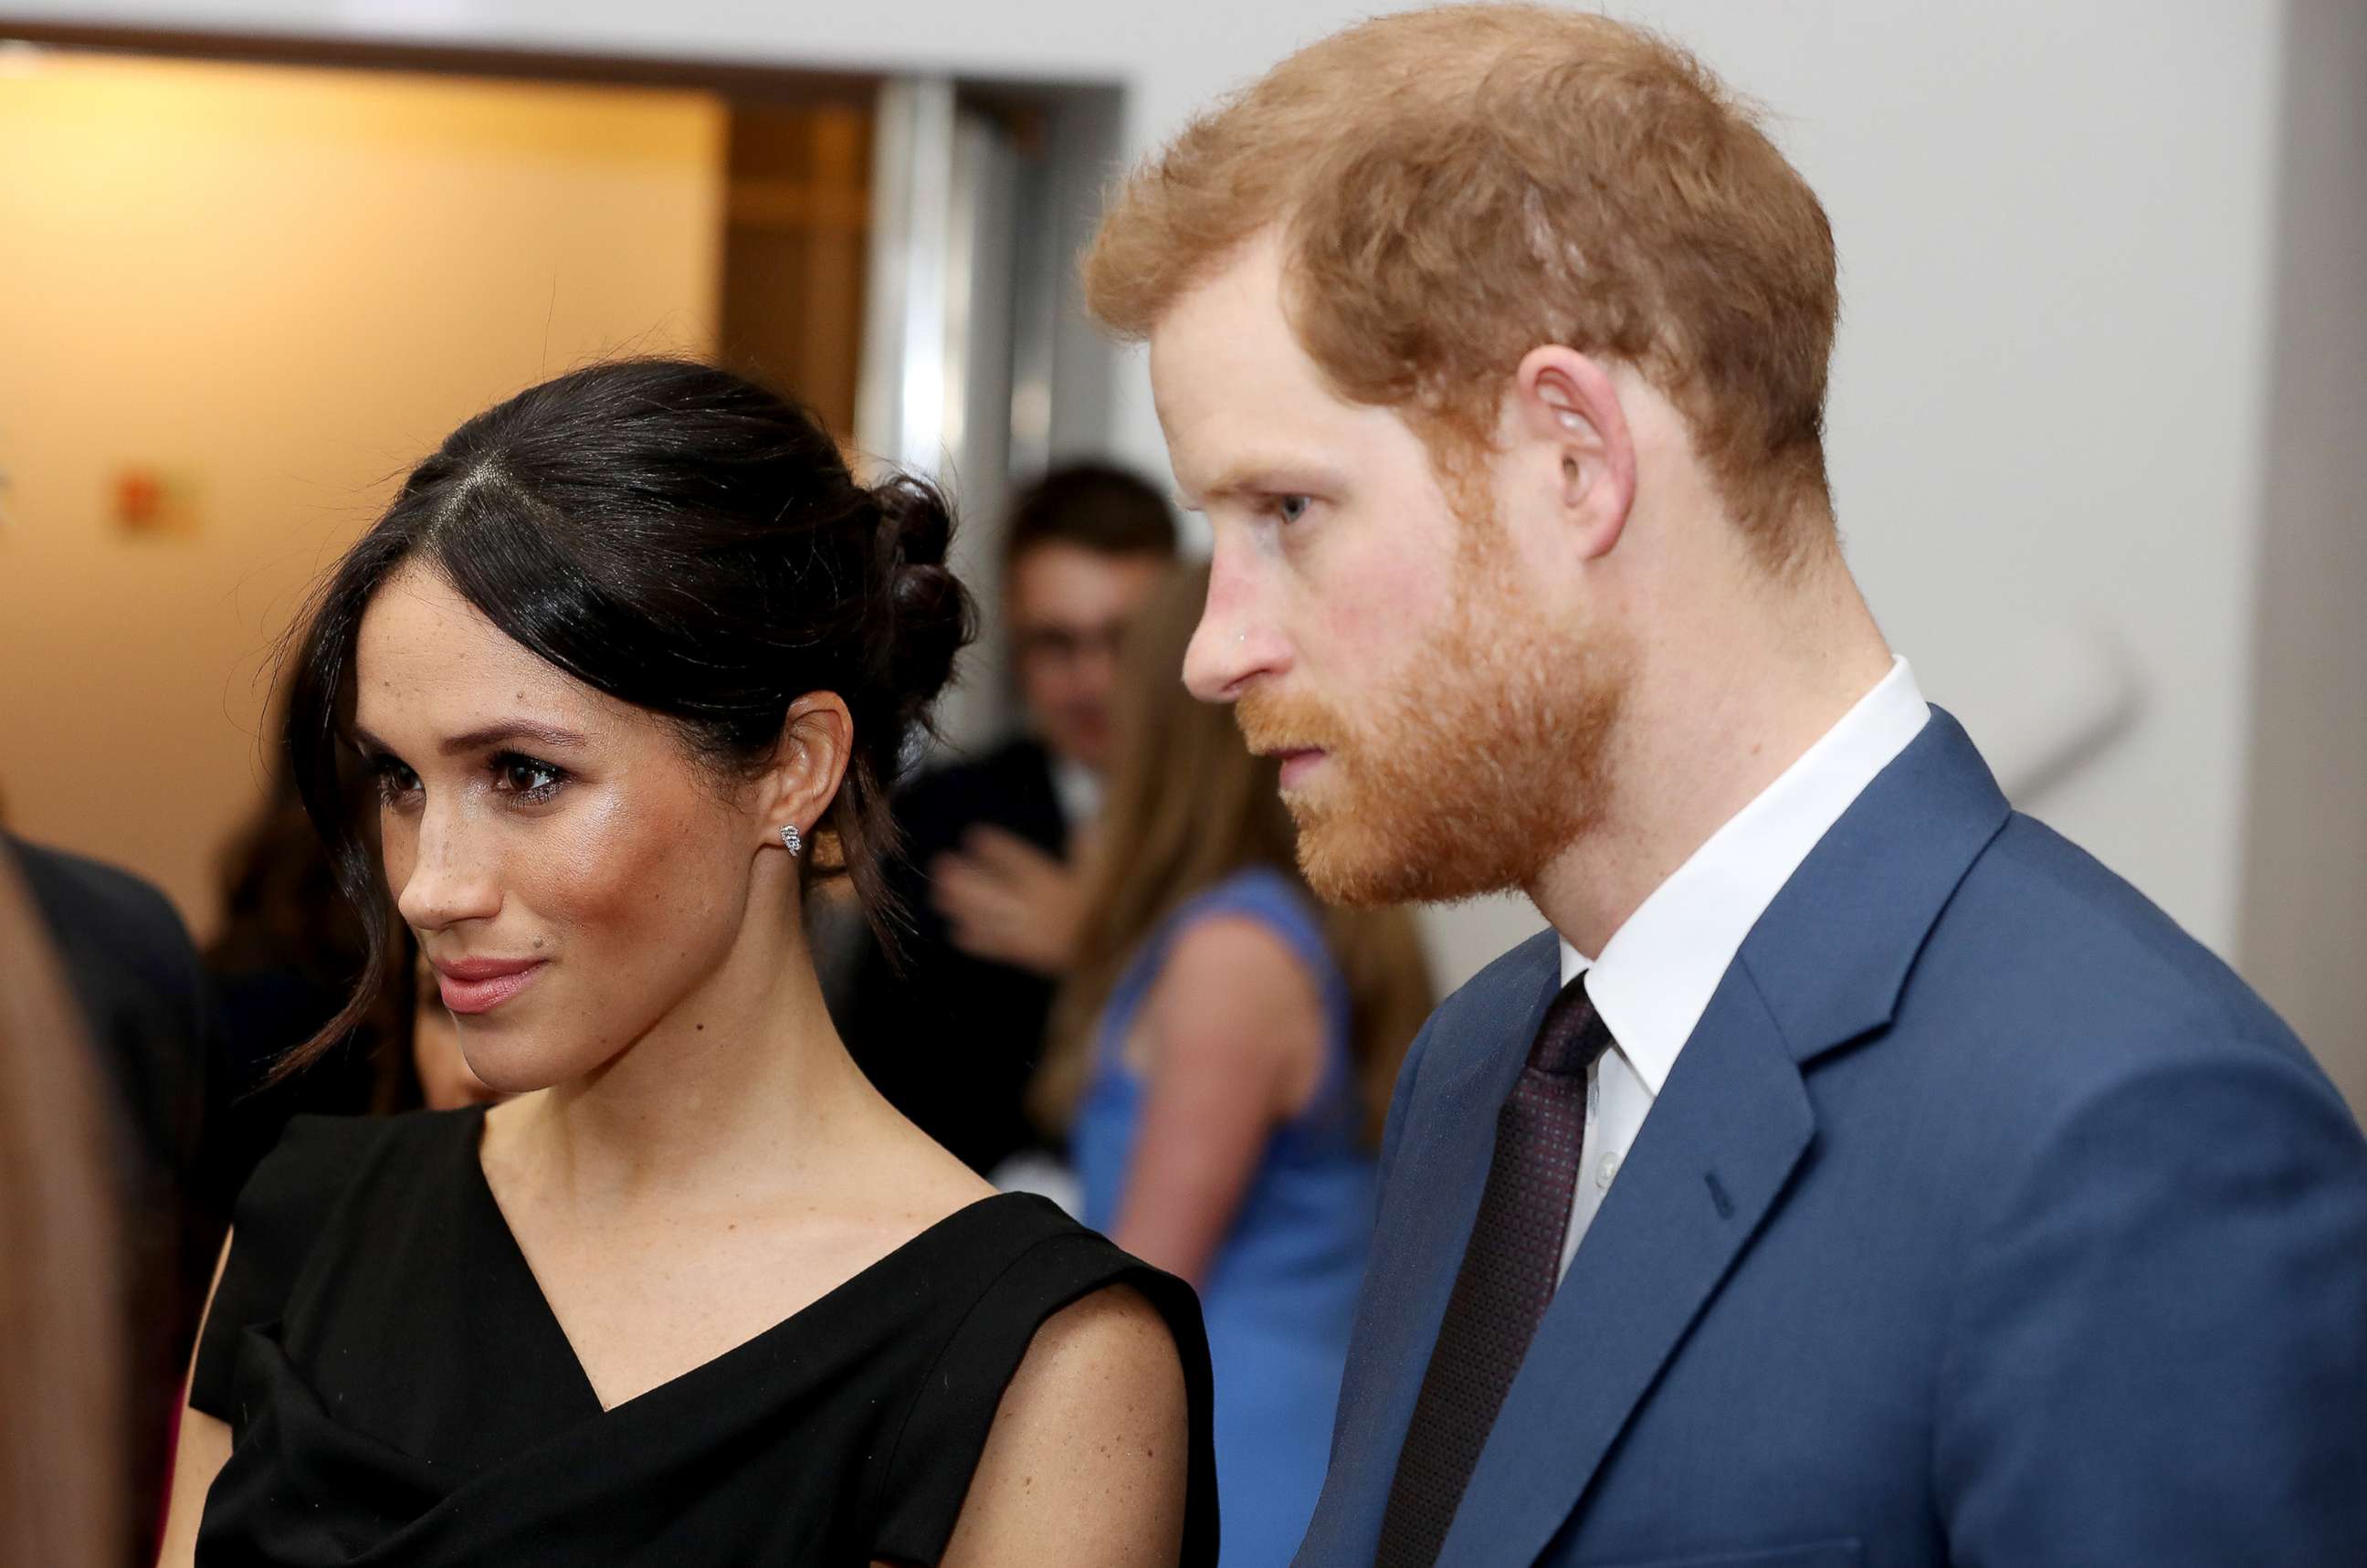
(1055,1263)
(278,1220)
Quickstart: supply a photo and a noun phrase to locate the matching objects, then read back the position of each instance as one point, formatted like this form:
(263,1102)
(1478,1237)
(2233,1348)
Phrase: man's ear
(817,740)
(1566,408)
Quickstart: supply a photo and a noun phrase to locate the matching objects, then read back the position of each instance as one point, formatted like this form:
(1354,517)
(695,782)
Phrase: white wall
(2056,242)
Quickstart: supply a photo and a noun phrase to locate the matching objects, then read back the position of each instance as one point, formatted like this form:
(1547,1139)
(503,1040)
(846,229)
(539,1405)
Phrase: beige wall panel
(275,288)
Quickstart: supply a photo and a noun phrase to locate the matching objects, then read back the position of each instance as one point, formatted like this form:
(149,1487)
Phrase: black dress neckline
(399,1394)
(503,1244)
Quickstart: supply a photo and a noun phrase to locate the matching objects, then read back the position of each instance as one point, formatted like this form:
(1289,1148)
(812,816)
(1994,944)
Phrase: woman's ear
(817,740)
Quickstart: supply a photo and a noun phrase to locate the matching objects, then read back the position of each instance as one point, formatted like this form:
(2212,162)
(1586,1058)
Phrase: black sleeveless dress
(397,1391)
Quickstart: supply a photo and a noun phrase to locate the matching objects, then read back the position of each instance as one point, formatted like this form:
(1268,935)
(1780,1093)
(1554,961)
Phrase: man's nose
(1235,643)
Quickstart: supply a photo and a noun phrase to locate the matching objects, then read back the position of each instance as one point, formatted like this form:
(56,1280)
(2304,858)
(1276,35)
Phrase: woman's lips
(478,985)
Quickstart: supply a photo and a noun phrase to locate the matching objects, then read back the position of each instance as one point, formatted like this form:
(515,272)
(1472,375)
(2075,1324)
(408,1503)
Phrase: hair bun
(935,617)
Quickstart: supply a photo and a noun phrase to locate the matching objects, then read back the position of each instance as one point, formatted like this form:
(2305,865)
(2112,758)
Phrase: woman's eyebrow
(499,733)
(503,731)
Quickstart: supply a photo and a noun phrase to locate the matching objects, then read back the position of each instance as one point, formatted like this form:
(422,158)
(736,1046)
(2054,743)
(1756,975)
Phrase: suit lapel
(1428,1207)
(1721,1142)
(1824,966)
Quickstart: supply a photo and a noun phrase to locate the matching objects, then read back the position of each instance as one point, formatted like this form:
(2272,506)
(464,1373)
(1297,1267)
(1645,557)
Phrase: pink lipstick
(478,985)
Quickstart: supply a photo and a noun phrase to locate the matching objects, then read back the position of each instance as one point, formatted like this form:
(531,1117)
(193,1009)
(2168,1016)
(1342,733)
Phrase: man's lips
(1297,762)
(478,985)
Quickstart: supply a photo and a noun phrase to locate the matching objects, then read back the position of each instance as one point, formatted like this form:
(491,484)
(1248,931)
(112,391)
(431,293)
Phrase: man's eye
(1290,508)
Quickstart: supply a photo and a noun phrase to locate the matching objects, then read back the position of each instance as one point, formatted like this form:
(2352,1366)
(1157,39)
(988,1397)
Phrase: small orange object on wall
(151,501)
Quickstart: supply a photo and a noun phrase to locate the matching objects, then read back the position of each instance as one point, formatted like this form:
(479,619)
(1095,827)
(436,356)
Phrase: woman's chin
(516,1068)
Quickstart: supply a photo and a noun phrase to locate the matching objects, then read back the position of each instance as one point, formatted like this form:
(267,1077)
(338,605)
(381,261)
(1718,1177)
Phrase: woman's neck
(743,1087)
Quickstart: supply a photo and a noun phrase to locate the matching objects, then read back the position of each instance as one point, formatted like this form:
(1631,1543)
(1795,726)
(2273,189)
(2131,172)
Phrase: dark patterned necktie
(1509,1268)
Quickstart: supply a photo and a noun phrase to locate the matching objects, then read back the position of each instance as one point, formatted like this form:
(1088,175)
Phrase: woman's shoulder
(1263,888)
(317,1156)
(316,1168)
(1026,1259)
(1091,1457)
(287,1209)
(1060,1329)
(1262,898)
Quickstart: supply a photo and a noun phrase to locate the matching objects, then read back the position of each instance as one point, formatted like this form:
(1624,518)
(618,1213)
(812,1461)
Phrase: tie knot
(1572,1036)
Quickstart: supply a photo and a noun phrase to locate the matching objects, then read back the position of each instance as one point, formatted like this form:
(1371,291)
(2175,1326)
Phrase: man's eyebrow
(1266,471)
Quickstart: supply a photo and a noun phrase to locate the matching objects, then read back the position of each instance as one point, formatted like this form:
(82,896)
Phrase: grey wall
(2305,908)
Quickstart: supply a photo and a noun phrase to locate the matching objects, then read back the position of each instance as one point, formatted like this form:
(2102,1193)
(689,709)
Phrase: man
(952,1032)
(1858,1172)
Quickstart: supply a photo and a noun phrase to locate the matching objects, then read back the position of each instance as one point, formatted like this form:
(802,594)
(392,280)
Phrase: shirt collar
(1658,971)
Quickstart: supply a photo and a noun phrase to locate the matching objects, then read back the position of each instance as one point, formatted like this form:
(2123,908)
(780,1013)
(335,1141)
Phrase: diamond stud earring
(792,840)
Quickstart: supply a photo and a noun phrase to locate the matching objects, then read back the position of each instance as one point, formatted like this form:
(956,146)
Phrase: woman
(630,659)
(1227,1051)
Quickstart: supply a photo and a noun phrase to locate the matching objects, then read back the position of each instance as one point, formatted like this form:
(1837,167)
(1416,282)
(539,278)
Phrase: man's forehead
(1060,576)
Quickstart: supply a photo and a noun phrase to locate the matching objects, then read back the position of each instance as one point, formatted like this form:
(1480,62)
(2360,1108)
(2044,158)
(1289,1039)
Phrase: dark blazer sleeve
(2160,1350)
(137,980)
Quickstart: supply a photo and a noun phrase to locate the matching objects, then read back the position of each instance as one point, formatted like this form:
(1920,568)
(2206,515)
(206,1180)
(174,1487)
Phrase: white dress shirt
(1658,971)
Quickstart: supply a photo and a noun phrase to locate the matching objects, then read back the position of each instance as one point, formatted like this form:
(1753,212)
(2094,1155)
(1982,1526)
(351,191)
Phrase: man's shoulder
(1499,996)
(76,895)
(112,929)
(2080,936)
(2058,981)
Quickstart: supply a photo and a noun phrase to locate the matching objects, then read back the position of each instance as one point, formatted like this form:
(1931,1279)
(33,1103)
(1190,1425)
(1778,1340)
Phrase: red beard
(1483,761)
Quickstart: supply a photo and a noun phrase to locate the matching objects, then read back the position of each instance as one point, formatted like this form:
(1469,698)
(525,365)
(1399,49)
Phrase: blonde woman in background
(1223,1059)
(61,1359)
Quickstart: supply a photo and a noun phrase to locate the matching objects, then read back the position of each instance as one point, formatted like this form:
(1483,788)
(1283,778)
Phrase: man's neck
(1701,737)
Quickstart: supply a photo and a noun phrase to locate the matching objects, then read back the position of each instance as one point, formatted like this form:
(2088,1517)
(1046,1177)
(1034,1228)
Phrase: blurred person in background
(283,965)
(133,976)
(1224,1050)
(628,660)
(64,1488)
(952,1032)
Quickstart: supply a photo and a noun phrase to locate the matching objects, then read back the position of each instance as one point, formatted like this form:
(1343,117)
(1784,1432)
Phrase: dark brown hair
(1457,186)
(1094,506)
(676,537)
(1189,805)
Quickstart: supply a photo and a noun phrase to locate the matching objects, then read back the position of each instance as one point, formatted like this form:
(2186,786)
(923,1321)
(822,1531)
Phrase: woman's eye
(395,781)
(524,776)
(1290,508)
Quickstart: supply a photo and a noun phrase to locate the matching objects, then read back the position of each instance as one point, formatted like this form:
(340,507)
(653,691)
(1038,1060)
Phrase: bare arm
(1234,1033)
(1090,1454)
(197,1457)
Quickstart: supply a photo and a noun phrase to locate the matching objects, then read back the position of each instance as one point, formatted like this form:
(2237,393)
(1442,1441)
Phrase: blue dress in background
(1280,1296)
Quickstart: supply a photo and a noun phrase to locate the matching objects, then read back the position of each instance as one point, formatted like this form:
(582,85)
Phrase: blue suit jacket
(1985,1219)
